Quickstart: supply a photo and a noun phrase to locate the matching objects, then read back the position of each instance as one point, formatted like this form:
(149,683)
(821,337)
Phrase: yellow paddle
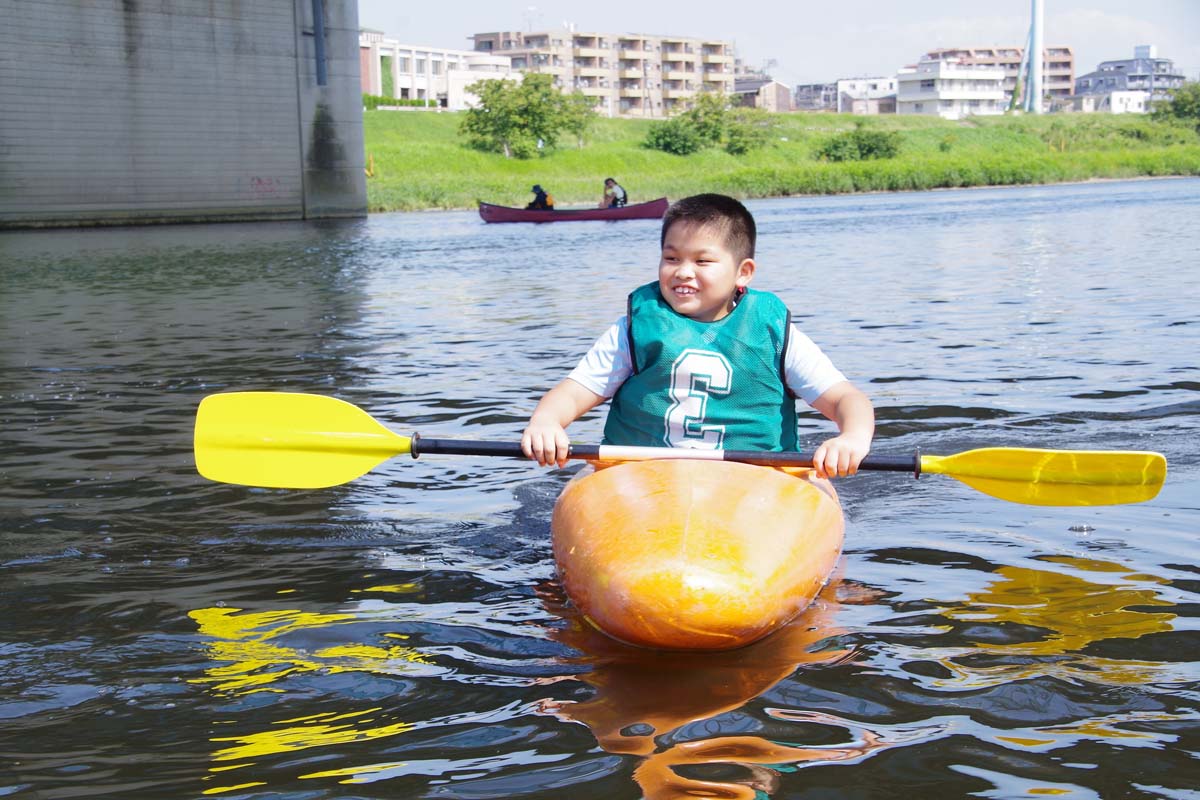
(308,441)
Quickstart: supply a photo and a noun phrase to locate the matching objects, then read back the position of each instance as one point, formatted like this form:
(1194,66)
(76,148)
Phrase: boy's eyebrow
(703,250)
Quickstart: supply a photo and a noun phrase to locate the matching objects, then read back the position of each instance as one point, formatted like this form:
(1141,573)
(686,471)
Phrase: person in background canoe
(700,360)
(614,194)
(541,201)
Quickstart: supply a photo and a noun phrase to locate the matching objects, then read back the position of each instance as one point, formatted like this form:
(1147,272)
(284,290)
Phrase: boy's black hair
(729,217)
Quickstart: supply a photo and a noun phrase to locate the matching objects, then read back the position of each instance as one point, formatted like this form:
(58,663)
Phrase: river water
(401,636)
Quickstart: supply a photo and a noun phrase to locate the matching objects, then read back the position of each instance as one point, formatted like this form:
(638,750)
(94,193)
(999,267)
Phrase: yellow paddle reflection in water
(1074,612)
(250,662)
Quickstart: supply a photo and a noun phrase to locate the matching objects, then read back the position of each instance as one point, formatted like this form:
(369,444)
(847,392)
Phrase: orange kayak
(694,555)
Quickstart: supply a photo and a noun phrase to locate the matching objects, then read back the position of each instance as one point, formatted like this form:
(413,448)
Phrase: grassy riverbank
(420,162)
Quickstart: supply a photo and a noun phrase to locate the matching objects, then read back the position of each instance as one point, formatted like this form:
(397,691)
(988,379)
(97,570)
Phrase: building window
(928,85)
(402,63)
(420,66)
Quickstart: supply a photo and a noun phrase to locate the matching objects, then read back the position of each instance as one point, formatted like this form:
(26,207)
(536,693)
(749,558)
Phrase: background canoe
(651,210)
(694,555)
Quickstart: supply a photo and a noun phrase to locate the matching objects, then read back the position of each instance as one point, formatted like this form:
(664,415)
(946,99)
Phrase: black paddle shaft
(467,447)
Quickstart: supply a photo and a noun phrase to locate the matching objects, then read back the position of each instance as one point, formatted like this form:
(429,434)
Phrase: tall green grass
(421,163)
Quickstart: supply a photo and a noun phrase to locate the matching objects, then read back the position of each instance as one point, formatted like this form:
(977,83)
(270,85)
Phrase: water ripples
(403,635)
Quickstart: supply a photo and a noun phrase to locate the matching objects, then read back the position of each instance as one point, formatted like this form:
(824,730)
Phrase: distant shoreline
(1081,182)
(420,162)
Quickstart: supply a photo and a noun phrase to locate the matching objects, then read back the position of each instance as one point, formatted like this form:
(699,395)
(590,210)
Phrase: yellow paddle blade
(289,440)
(1055,477)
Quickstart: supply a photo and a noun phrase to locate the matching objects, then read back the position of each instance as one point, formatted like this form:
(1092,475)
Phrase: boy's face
(697,274)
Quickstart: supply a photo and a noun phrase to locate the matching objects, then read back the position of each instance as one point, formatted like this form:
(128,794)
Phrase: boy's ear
(745,272)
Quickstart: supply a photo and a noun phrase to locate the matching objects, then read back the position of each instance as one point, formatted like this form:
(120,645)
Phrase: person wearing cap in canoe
(541,200)
(701,360)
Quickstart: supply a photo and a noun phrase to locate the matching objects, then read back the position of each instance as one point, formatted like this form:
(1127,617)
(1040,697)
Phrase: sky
(816,41)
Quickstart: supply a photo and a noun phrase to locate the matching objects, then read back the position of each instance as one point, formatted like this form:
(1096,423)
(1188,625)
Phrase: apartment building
(1156,78)
(411,72)
(628,74)
(1058,67)
(950,89)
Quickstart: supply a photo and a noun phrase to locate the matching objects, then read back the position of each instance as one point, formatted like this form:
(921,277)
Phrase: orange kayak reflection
(644,694)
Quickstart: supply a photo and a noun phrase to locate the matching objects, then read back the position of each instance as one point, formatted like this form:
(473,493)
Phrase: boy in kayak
(700,360)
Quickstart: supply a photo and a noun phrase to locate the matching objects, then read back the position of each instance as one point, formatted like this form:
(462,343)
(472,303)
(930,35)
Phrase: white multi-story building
(948,89)
(412,72)
(628,74)
(1058,66)
(866,95)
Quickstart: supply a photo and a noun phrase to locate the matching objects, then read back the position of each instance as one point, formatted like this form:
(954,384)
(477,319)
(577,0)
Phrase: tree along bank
(418,160)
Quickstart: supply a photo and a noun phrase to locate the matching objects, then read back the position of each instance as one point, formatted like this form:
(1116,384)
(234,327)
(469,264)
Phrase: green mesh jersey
(714,385)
